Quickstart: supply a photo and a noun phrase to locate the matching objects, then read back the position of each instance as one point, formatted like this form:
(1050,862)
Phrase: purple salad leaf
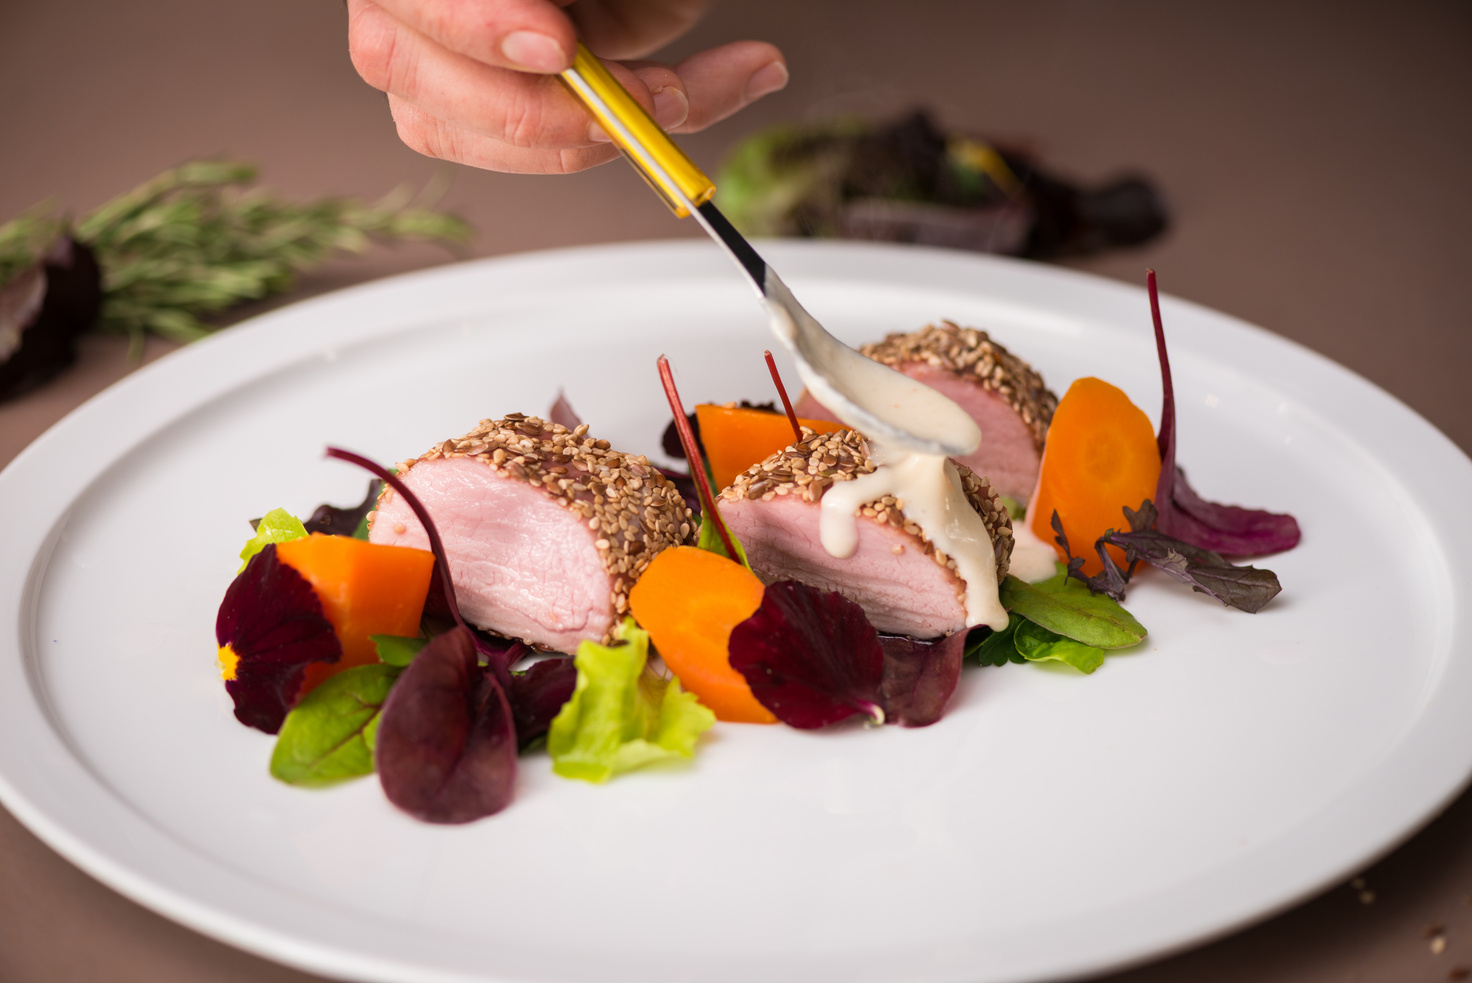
(43,309)
(919,677)
(1111,581)
(1205,571)
(811,657)
(270,627)
(563,413)
(1185,515)
(446,741)
(349,520)
(537,693)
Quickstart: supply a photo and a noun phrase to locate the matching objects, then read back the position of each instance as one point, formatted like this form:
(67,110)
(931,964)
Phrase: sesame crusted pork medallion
(1004,395)
(903,583)
(546,529)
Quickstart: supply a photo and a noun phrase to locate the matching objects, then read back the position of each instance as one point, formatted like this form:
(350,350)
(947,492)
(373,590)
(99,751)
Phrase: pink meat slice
(522,564)
(905,593)
(1007,457)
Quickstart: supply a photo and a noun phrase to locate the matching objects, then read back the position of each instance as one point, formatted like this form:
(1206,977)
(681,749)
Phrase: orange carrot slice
(1101,455)
(688,600)
(365,588)
(736,438)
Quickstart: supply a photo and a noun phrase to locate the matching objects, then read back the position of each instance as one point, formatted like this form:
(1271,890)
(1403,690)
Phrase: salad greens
(276,526)
(621,714)
(328,736)
(1068,608)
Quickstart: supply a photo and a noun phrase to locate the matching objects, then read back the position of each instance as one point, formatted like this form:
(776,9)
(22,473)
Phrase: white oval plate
(1051,825)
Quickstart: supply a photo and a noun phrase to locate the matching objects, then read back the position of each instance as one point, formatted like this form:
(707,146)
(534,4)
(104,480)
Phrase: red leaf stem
(782,391)
(692,454)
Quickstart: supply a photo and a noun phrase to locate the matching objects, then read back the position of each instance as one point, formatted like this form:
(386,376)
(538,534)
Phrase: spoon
(873,398)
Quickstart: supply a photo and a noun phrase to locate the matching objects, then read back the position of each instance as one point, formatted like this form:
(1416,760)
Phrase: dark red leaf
(563,413)
(273,622)
(810,657)
(446,743)
(43,309)
(919,677)
(538,693)
(331,520)
(1183,514)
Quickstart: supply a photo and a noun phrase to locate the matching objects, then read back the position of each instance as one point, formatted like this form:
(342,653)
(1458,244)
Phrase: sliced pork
(896,575)
(546,528)
(1004,395)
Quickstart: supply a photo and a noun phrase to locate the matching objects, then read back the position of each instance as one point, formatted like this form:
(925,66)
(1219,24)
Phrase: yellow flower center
(228,661)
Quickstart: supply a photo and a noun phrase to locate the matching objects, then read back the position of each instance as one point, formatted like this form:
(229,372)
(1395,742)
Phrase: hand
(474,81)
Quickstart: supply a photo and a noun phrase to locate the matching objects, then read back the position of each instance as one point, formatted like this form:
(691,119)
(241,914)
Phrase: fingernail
(766,80)
(597,134)
(534,52)
(670,107)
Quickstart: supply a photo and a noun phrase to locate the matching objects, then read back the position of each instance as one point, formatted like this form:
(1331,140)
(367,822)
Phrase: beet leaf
(811,657)
(269,628)
(350,520)
(919,677)
(563,413)
(1186,516)
(537,693)
(445,745)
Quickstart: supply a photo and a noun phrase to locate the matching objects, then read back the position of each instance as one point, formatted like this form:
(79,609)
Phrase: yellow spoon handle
(654,155)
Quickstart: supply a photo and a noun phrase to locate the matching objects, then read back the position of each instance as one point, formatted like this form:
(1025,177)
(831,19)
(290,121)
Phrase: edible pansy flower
(270,627)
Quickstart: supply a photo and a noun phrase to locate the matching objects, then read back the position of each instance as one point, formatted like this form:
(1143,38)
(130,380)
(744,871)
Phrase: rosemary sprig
(196,240)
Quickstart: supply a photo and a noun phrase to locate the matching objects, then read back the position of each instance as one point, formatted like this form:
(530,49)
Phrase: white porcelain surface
(1052,824)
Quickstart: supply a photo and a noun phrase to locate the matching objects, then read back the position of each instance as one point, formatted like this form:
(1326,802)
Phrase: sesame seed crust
(971,354)
(811,466)
(633,511)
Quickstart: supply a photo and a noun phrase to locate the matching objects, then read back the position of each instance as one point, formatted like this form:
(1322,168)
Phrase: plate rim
(798,260)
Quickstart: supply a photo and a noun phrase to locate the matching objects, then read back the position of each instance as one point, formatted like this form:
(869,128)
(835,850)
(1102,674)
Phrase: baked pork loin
(896,575)
(545,528)
(1004,395)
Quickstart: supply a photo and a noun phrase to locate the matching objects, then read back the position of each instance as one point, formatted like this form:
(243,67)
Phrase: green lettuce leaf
(622,715)
(1066,607)
(710,539)
(996,648)
(1037,644)
(396,650)
(276,526)
(327,737)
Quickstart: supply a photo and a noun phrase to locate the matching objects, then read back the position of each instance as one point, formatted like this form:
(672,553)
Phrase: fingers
(435,137)
(521,35)
(525,110)
(723,80)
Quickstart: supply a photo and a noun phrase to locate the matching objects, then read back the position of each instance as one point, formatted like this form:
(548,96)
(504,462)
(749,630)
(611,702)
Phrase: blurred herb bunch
(190,243)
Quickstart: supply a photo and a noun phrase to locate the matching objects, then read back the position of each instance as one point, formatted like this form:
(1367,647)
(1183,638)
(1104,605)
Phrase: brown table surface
(1315,155)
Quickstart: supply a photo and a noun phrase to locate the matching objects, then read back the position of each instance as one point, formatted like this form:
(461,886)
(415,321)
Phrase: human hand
(475,81)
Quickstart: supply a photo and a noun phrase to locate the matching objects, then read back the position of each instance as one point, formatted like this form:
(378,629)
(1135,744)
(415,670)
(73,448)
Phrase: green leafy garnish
(328,736)
(1066,607)
(396,650)
(710,539)
(622,715)
(1014,508)
(276,526)
(1037,644)
(995,648)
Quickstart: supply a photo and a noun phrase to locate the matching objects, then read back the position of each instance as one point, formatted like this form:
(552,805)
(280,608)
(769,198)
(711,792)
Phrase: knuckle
(373,46)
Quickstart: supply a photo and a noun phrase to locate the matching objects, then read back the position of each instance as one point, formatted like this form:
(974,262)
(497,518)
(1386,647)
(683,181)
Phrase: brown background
(1315,154)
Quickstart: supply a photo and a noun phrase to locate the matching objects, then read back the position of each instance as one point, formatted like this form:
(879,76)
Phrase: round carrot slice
(1100,456)
(689,599)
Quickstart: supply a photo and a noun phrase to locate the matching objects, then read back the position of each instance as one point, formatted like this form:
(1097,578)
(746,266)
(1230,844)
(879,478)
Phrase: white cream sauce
(1032,559)
(928,484)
